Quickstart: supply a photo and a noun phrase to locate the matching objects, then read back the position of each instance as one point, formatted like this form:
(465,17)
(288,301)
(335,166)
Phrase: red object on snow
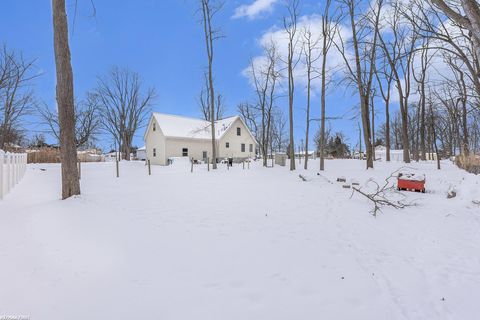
(411,182)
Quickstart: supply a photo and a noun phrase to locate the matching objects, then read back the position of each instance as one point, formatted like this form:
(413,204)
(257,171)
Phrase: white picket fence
(12,169)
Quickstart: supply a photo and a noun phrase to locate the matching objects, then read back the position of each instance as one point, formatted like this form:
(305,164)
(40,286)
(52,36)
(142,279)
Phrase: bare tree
(249,115)
(361,71)
(420,76)
(329,29)
(204,102)
(16,94)
(465,13)
(459,95)
(264,76)
(373,95)
(65,101)
(445,35)
(279,134)
(123,105)
(209,9)
(325,136)
(399,51)
(384,75)
(311,55)
(87,121)
(290,23)
(432,123)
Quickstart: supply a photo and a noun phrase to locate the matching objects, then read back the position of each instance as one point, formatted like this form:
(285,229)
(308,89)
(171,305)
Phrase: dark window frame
(239,131)
(242,147)
(184,152)
(227,145)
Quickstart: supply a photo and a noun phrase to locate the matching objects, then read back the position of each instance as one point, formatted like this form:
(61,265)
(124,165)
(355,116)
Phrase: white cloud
(279,36)
(254,10)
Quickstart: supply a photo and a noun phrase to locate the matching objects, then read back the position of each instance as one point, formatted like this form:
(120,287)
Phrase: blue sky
(162,40)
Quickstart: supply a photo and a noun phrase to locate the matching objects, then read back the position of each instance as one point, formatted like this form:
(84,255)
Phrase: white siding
(155,140)
(195,147)
(235,142)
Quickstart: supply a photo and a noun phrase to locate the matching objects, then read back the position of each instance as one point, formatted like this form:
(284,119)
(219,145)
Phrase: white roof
(183,127)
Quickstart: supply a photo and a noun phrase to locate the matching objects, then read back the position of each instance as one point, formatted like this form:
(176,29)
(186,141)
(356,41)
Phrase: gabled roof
(174,126)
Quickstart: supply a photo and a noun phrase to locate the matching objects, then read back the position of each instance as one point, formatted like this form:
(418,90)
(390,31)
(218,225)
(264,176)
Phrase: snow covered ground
(238,244)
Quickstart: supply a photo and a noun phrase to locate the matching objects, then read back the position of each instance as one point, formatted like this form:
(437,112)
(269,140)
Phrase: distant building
(168,136)
(395,155)
(142,153)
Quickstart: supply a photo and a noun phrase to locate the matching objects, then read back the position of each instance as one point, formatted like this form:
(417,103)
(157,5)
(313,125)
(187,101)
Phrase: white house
(169,136)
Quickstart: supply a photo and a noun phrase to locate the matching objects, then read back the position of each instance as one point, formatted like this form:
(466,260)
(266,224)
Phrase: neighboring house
(168,136)
(142,153)
(395,155)
(311,154)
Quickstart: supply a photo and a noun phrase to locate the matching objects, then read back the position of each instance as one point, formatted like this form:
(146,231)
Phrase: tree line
(117,106)
(421,56)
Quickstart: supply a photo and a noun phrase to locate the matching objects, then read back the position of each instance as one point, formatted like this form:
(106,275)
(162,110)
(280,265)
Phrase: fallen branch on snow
(383,195)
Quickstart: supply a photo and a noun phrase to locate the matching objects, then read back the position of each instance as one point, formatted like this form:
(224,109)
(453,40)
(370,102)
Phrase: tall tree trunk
(291,90)
(212,115)
(307,129)
(405,139)
(465,148)
(463,101)
(360,142)
(472,11)
(3,135)
(422,120)
(209,37)
(363,89)
(387,128)
(366,132)
(324,92)
(264,135)
(127,145)
(434,138)
(65,101)
(373,126)
(290,27)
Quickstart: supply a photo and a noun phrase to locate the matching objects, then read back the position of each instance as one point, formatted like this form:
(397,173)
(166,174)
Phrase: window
(185,152)
(239,131)
(227,145)
(154,126)
(250,148)
(204,153)
(243,147)
(154,152)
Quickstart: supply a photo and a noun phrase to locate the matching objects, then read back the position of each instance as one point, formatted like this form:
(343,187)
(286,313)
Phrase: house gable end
(233,126)
(149,129)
